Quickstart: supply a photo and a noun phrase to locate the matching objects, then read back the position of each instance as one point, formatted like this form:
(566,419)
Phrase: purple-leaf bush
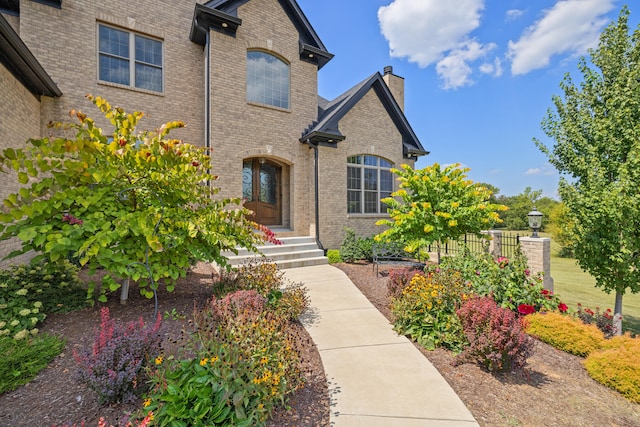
(114,366)
(496,336)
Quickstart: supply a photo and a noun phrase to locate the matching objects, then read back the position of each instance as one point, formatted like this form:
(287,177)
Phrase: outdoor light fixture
(535,221)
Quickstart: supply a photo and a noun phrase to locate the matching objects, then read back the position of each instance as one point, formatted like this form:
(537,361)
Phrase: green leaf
(23,178)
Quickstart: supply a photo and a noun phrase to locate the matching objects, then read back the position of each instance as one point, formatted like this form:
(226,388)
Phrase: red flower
(525,309)
(562,307)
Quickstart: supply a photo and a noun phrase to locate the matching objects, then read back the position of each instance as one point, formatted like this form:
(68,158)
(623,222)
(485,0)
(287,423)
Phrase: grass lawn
(575,286)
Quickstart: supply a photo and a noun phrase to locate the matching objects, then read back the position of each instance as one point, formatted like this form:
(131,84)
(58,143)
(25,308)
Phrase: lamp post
(535,221)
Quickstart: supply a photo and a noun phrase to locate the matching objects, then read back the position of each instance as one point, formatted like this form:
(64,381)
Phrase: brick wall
(65,42)
(242,130)
(19,121)
(369,130)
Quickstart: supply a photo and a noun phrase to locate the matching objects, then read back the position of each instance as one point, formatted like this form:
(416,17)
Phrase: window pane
(354,160)
(148,51)
(148,77)
(268,187)
(385,164)
(370,161)
(267,79)
(370,179)
(386,181)
(371,202)
(353,202)
(114,42)
(354,181)
(114,70)
(247,181)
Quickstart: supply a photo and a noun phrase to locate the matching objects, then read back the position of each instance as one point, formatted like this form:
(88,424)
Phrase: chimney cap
(388,70)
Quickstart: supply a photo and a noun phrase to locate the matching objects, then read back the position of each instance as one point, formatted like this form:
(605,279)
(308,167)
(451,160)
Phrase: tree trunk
(438,251)
(124,291)
(617,313)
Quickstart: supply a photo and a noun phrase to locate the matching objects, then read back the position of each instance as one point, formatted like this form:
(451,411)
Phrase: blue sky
(479,74)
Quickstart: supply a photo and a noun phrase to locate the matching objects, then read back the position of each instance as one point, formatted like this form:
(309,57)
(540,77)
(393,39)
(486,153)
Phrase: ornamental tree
(596,128)
(436,205)
(136,204)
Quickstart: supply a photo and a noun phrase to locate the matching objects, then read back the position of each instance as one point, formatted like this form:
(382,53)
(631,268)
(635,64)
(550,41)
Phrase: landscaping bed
(554,391)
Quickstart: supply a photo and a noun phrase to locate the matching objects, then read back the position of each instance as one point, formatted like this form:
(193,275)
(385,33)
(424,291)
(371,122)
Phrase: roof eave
(322,138)
(315,55)
(206,18)
(19,60)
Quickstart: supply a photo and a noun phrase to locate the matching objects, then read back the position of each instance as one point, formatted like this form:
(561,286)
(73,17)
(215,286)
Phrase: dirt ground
(556,392)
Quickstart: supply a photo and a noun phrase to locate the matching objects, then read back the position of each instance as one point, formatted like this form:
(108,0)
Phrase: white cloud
(454,68)
(494,69)
(569,27)
(435,32)
(513,14)
(545,170)
(533,171)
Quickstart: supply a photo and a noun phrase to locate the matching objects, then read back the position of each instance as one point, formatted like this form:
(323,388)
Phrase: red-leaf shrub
(496,337)
(114,365)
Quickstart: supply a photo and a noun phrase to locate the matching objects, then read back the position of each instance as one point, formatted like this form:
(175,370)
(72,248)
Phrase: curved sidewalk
(376,378)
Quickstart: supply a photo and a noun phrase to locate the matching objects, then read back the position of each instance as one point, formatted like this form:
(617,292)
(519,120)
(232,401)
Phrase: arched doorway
(262,190)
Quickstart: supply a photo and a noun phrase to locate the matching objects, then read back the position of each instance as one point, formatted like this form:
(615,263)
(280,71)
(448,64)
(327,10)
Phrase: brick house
(243,74)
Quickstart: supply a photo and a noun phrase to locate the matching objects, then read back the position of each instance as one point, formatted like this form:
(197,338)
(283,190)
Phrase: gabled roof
(20,62)
(326,129)
(222,15)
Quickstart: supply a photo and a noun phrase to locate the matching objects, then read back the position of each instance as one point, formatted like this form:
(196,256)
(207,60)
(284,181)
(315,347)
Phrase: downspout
(207,96)
(317,193)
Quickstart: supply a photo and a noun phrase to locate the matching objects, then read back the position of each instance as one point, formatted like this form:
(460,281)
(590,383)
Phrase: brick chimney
(395,84)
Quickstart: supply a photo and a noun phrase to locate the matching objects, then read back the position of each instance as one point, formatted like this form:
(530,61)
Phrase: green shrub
(425,310)
(334,256)
(354,248)
(617,366)
(565,333)
(20,361)
(508,281)
(268,280)
(496,338)
(244,365)
(29,292)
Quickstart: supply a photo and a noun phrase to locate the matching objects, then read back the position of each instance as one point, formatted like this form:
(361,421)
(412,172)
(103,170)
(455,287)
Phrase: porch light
(535,221)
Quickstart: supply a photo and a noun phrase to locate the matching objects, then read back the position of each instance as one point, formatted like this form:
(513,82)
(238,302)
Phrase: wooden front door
(261,190)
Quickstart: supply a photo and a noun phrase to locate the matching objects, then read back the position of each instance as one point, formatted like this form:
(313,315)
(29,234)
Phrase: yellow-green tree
(137,204)
(435,204)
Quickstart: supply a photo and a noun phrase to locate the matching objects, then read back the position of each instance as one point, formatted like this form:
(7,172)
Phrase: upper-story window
(129,59)
(267,79)
(369,179)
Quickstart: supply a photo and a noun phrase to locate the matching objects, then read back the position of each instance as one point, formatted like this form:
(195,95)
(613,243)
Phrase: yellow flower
(214,360)
(204,361)
(158,360)
(147,402)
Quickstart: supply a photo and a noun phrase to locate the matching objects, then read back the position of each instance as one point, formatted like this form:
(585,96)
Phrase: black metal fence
(508,242)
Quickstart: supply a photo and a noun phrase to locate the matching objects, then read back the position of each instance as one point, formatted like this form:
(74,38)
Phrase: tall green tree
(137,204)
(436,204)
(596,128)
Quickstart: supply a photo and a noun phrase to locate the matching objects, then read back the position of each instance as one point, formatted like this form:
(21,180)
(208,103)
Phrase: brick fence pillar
(538,253)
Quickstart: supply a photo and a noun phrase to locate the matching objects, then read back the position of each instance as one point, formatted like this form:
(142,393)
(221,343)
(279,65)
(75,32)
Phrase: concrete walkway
(376,378)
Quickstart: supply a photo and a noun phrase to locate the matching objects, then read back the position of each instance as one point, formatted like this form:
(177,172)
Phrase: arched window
(267,79)
(369,179)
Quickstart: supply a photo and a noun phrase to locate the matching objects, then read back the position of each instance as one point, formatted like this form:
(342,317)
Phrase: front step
(294,252)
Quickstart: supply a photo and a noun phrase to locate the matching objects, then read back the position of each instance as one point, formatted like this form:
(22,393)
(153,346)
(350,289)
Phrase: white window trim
(361,167)
(132,59)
